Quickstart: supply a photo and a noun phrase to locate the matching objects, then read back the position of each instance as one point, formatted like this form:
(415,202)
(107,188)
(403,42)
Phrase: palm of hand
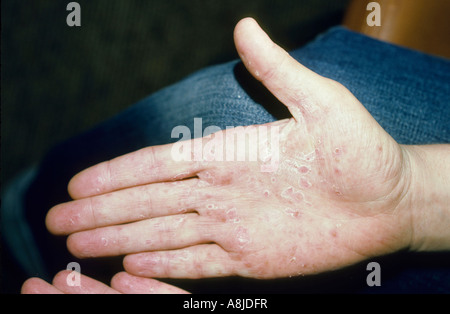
(333,200)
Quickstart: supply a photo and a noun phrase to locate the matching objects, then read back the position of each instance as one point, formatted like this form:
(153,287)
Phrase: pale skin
(121,283)
(344,191)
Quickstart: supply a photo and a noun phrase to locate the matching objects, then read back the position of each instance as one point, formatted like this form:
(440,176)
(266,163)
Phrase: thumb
(294,85)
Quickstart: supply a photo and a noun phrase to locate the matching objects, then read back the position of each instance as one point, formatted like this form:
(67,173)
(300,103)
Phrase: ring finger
(162,233)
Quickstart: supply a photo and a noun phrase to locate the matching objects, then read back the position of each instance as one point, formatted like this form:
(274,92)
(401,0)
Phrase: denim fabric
(407,92)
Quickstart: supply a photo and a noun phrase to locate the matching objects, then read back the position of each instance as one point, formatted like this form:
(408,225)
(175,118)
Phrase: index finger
(147,165)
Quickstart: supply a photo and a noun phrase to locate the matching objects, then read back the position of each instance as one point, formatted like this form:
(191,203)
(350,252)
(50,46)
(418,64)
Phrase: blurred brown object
(422,25)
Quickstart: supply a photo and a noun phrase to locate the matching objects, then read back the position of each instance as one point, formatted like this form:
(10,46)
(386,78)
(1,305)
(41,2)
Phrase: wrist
(428,196)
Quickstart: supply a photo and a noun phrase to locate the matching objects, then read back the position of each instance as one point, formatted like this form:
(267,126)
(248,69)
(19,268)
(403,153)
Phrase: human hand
(120,283)
(340,193)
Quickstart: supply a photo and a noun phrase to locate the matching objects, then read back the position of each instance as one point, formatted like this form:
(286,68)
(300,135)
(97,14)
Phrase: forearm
(429,196)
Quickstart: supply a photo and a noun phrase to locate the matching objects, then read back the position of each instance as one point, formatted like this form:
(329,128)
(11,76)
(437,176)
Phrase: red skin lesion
(303,169)
(333,233)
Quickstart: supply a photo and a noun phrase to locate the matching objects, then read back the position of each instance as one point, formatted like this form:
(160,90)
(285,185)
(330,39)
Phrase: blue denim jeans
(407,92)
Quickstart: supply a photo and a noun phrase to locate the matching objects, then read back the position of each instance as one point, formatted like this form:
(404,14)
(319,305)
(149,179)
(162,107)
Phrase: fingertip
(129,263)
(297,87)
(53,222)
(30,286)
(38,286)
(78,245)
(50,222)
(125,283)
(141,264)
(246,35)
(77,185)
(260,55)
(72,188)
(89,182)
(243,24)
(118,278)
(61,277)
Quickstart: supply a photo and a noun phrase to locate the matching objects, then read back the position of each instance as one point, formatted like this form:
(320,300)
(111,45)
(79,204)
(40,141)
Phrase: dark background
(58,80)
